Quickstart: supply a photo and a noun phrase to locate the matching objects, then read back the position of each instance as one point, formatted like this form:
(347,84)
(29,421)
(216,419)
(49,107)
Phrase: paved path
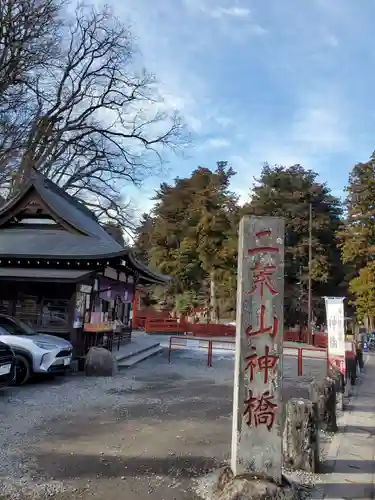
(147,433)
(351,458)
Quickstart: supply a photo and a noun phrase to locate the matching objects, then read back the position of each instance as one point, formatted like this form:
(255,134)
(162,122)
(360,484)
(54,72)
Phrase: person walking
(351,361)
(359,355)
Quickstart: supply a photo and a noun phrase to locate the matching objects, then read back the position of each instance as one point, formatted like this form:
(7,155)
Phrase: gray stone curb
(334,446)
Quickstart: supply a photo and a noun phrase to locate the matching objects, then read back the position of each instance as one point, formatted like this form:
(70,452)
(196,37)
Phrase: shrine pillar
(257,411)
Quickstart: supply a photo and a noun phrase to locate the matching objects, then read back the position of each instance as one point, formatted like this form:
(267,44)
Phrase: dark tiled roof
(70,209)
(53,242)
(93,242)
(23,243)
(145,270)
(40,274)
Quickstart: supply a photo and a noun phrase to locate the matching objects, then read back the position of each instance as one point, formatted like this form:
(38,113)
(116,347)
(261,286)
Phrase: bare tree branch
(87,119)
(28,42)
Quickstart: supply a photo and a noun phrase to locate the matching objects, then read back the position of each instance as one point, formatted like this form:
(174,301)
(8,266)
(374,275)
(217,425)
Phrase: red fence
(157,325)
(317,339)
(210,329)
(306,353)
(160,325)
(199,343)
(208,344)
(183,342)
(173,326)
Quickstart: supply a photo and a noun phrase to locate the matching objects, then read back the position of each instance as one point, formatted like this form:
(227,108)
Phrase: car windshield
(16,327)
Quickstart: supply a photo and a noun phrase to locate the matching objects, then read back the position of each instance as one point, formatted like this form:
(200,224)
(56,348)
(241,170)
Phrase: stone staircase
(140,348)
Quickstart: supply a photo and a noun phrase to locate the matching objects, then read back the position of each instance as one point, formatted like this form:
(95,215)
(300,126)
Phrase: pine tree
(217,220)
(287,192)
(192,236)
(115,230)
(358,239)
(142,238)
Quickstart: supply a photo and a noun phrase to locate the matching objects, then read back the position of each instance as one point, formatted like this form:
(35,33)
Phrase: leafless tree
(116,231)
(29,32)
(91,122)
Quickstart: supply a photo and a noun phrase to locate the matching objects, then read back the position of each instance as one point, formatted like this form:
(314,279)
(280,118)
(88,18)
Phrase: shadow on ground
(89,466)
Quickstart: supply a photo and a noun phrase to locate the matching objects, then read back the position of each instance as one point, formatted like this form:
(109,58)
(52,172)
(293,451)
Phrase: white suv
(35,353)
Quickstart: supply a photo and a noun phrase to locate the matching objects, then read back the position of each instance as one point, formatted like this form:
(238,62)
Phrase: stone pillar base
(301,436)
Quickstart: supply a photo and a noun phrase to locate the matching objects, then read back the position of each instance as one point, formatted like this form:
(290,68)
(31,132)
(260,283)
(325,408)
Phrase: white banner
(335,326)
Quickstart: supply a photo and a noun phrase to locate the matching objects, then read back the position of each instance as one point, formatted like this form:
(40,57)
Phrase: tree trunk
(213,301)
(365,322)
(20,176)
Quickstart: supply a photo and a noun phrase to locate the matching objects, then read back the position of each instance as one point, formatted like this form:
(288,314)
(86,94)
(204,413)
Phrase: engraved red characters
(260,410)
(272,330)
(259,407)
(262,363)
(262,279)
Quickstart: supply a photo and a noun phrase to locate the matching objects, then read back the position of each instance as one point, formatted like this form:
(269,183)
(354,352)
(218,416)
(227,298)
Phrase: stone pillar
(257,412)
(323,393)
(301,436)
(339,380)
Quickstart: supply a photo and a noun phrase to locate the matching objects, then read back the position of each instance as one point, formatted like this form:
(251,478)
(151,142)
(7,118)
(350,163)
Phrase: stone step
(130,361)
(135,349)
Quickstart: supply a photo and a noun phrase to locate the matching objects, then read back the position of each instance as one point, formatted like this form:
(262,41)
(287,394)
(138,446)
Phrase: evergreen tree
(115,230)
(358,239)
(287,192)
(192,236)
(142,238)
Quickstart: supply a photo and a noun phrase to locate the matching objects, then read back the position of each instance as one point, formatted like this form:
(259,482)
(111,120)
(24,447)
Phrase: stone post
(257,412)
(301,436)
(323,393)
(339,380)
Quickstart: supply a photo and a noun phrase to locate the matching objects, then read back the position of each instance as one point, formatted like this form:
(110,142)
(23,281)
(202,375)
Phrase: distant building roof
(43,274)
(54,243)
(77,233)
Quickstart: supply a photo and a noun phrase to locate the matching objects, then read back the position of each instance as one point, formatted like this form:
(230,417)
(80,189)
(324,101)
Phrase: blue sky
(282,81)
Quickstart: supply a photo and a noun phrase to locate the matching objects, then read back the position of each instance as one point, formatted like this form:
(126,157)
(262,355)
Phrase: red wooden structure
(173,326)
(153,321)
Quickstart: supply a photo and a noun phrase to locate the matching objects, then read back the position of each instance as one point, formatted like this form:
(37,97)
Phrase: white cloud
(319,128)
(215,143)
(321,121)
(224,121)
(284,98)
(331,40)
(233,21)
(257,29)
(239,12)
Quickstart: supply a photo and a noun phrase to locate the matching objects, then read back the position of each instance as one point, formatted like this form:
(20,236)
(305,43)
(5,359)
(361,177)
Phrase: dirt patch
(144,434)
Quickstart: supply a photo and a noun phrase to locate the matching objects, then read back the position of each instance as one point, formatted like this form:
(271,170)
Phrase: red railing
(301,352)
(140,323)
(301,355)
(317,340)
(209,329)
(291,336)
(183,342)
(320,340)
(160,325)
(152,324)
(141,317)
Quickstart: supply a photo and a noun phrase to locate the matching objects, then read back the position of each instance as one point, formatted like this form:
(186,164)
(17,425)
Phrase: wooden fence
(173,326)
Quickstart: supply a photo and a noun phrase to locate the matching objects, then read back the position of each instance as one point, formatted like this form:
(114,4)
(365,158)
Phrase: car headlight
(44,345)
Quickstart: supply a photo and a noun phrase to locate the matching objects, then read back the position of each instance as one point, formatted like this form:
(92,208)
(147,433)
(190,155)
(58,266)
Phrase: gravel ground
(146,432)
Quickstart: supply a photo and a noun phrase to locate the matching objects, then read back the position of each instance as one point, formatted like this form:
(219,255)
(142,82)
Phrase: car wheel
(23,370)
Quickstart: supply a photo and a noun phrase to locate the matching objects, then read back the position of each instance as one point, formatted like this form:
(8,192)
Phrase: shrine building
(61,272)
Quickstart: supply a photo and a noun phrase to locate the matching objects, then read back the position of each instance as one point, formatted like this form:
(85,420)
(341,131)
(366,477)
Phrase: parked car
(34,353)
(7,364)
(53,325)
